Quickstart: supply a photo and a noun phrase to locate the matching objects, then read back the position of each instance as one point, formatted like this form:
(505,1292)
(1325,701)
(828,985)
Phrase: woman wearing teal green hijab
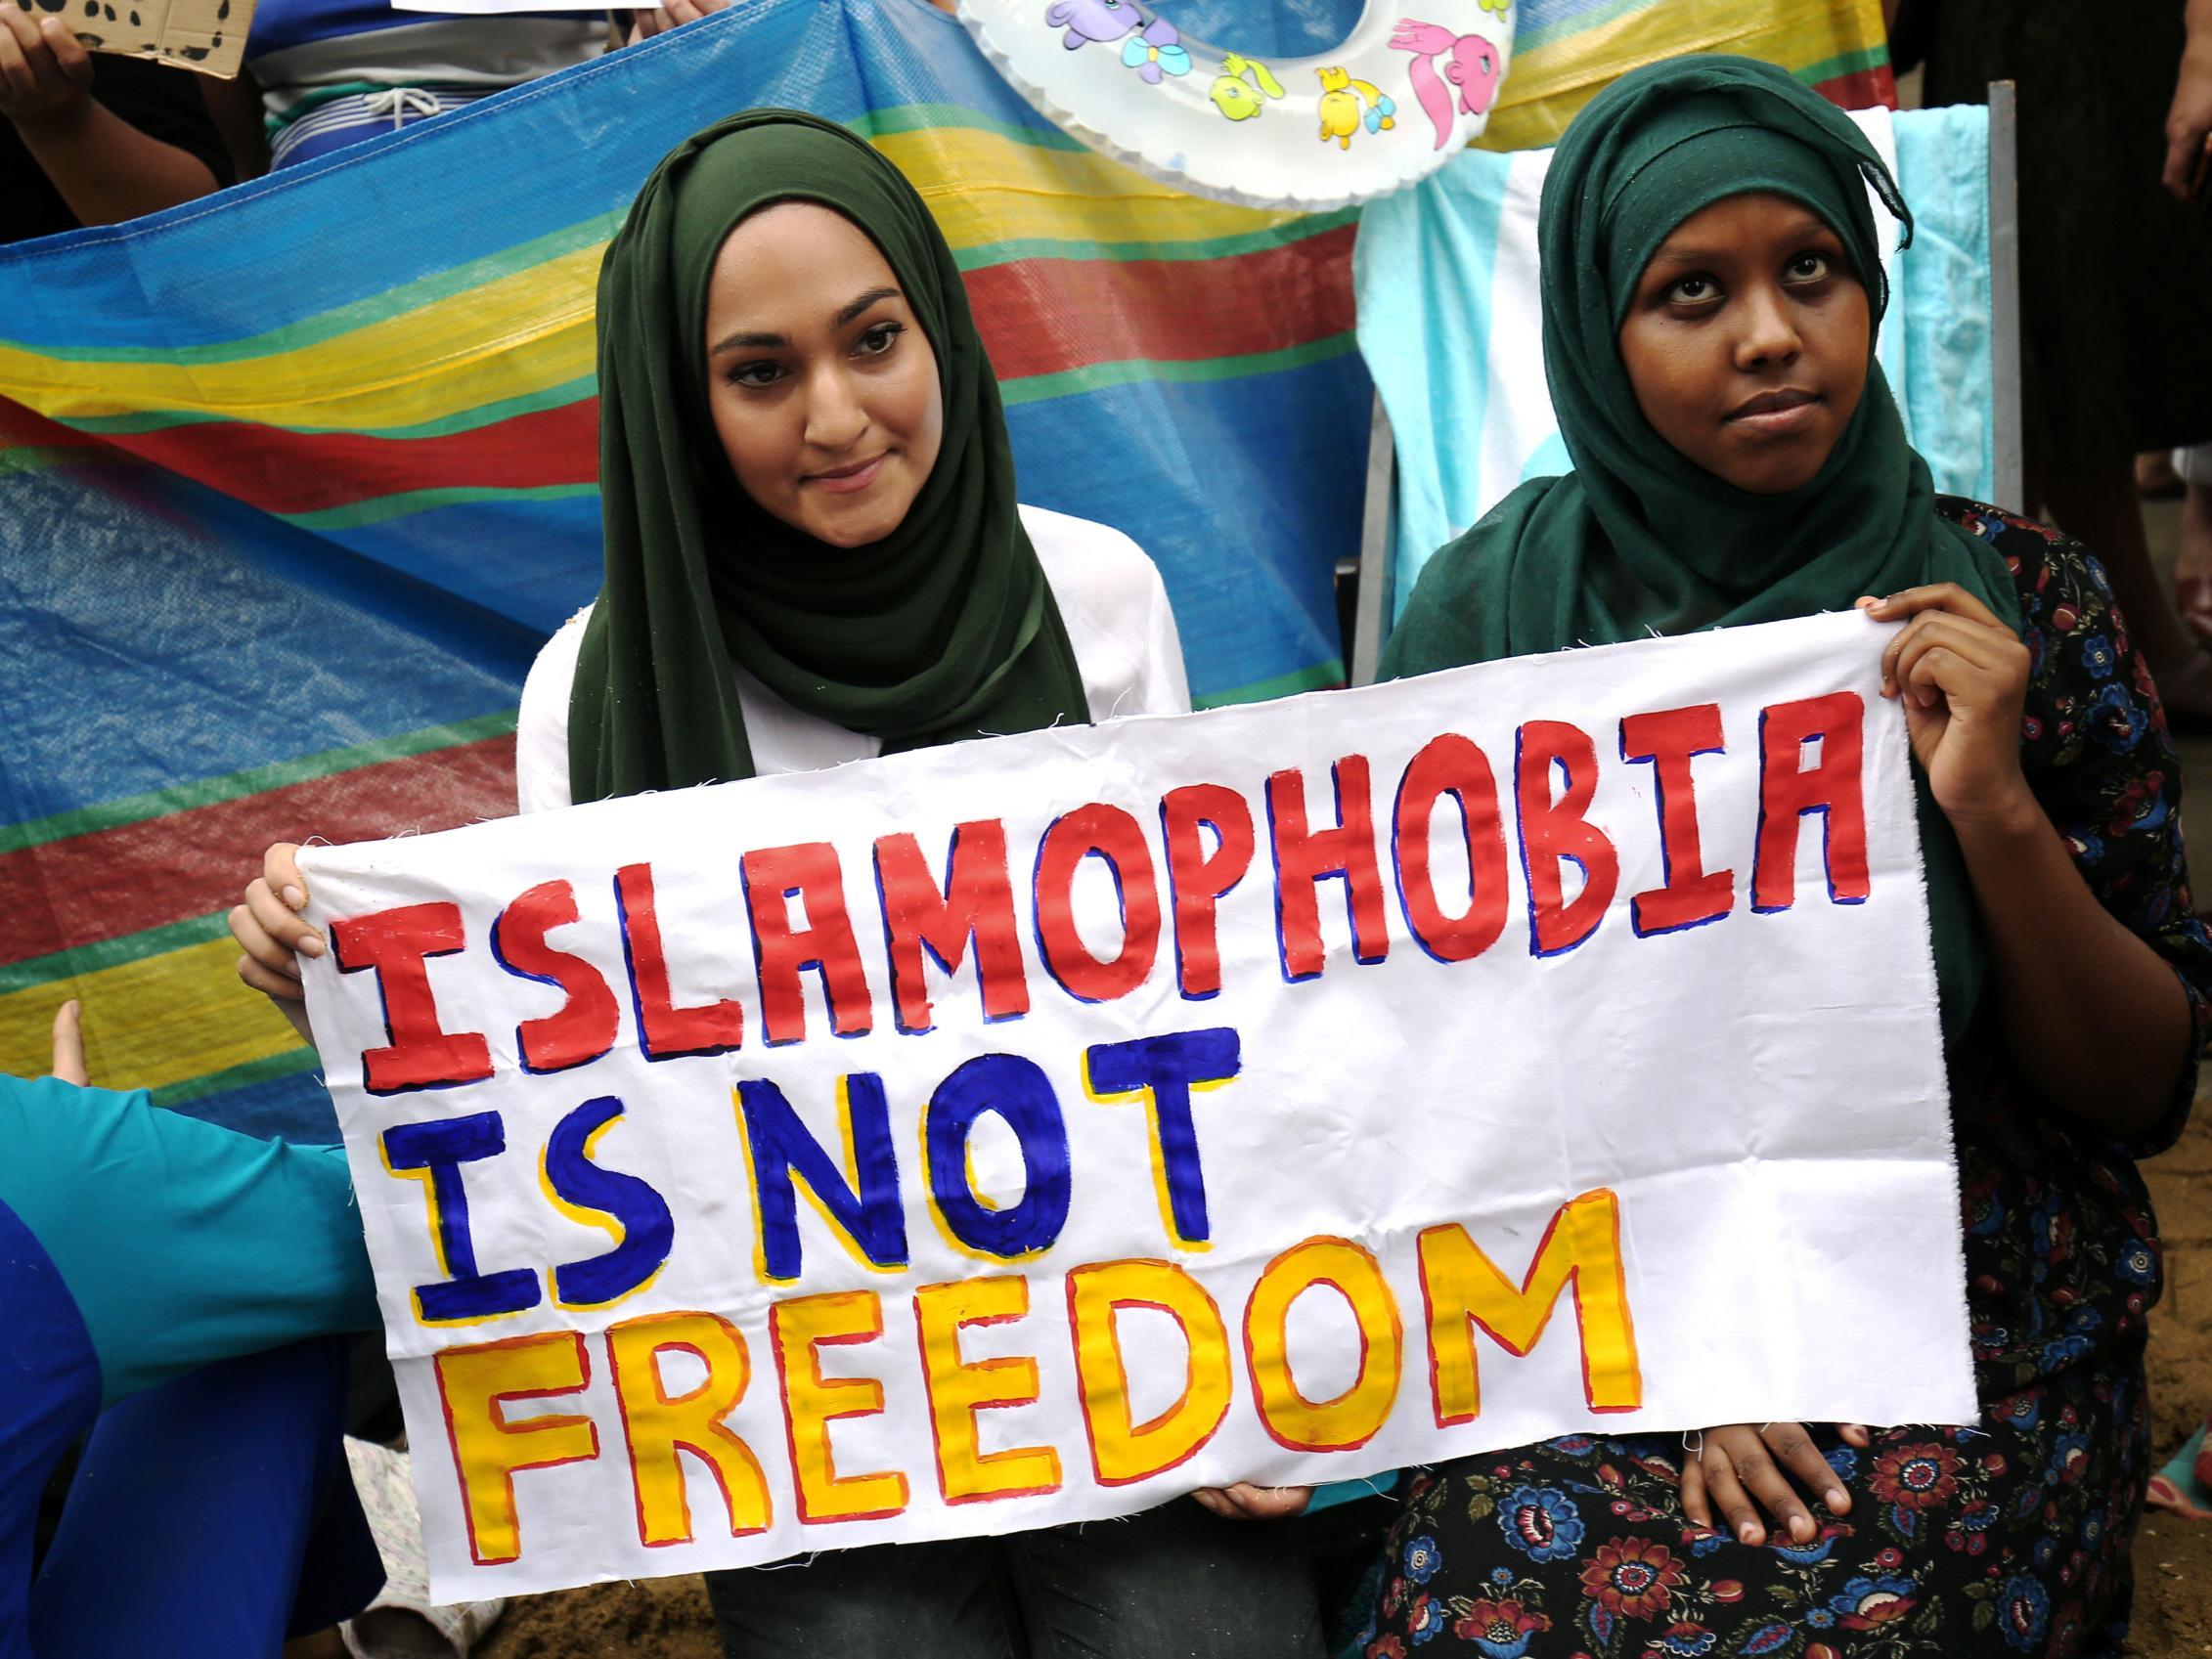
(1711,282)
(814,554)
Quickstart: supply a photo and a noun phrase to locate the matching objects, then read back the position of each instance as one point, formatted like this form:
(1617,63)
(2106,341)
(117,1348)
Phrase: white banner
(1033,1131)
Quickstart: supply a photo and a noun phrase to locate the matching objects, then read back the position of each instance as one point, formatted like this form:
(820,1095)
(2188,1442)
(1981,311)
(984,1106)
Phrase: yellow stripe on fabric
(529,330)
(984,188)
(1548,83)
(149,1023)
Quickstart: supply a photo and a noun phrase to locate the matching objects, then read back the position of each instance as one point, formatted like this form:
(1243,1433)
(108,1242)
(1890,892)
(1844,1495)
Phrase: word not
(858,1195)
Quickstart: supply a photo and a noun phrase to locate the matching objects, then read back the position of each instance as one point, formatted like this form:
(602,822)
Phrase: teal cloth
(181,1243)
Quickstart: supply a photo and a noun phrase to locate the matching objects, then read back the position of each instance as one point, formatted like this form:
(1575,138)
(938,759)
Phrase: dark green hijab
(944,629)
(1638,539)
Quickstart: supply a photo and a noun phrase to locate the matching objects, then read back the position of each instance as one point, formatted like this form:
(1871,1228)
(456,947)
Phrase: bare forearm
(106,170)
(2091,1011)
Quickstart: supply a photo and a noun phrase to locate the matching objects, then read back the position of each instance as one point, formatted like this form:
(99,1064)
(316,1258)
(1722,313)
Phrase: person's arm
(181,1243)
(2088,1009)
(234,106)
(2189,119)
(105,169)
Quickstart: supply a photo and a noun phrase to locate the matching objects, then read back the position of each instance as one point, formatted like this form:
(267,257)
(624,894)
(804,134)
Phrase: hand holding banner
(1019,1132)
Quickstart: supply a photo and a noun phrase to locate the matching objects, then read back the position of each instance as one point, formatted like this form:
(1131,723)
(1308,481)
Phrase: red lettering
(1197,879)
(1831,786)
(1108,833)
(586,1024)
(1305,857)
(772,877)
(1553,831)
(396,944)
(665,1031)
(977,905)
(1690,895)
(1453,765)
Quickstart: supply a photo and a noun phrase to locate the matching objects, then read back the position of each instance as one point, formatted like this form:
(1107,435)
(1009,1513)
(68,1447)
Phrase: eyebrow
(1797,230)
(778,342)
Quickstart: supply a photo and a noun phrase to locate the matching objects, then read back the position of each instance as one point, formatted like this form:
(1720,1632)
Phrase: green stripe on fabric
(379,508)
(255,780)
(987,254)
(345,319)
(1843,64)
(926,118)
(38,457)
(445,426)
(1330,673)
(1095,377)
(112,952)
(290,1064)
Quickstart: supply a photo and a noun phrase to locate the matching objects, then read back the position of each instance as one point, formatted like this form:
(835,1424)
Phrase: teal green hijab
(1638,539)
(944,629)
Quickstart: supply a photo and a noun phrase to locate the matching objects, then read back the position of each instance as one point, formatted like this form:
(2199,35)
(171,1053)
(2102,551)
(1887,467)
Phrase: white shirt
(1110,598)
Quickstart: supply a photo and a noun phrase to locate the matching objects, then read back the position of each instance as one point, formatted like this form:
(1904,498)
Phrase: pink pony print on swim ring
(1469,63)
(1155,50)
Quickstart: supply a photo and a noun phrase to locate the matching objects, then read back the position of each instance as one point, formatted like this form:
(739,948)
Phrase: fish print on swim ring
(1242,87)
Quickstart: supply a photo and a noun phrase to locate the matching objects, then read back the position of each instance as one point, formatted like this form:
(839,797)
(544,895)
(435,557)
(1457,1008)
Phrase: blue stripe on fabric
(317,237)
(281,1108)
(1242,496)
(154,633)
(532,563)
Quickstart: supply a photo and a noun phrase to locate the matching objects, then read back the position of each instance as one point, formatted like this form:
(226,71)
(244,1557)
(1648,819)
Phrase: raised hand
(1963,677)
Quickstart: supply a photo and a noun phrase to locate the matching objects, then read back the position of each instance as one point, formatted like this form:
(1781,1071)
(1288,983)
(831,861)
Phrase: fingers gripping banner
(1033,1131)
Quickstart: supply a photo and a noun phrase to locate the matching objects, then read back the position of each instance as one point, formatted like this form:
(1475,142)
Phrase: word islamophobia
(954,911)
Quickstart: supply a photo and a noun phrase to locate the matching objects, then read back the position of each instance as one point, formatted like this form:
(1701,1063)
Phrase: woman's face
(1746,341)
(824,389)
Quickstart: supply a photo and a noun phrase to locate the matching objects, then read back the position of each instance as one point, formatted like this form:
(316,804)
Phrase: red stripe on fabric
(1047,316)
(281,471)
(64,894)
(24,429)
(1862,89)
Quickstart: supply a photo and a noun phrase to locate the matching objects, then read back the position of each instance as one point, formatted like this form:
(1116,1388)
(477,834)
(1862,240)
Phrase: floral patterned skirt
(2011,1537)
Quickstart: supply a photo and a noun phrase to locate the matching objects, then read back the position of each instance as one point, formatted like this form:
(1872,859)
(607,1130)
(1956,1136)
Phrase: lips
(846,479)
(1775,414)
(1773,402)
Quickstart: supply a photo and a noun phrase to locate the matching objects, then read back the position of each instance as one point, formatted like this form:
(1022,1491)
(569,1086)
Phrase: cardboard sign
(206,36)
(1032,1130)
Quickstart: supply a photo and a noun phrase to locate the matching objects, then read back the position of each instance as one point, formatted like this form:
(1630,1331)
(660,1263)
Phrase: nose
(1766,332)
(836,417)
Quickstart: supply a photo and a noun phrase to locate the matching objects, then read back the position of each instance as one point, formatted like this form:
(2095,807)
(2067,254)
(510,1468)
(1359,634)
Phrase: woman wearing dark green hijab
(1711,282)
(814,552)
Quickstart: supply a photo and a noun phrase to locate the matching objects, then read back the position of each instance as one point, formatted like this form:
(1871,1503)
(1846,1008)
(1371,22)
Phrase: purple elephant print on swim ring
(1153,51)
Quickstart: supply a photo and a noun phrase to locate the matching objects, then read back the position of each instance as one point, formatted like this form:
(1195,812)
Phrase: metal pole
(2006,435)
(1378,564)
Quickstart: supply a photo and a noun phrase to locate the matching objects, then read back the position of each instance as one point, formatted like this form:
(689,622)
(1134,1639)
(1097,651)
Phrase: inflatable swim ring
(1390,106)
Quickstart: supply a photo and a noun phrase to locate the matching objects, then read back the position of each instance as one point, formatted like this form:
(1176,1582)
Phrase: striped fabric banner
(292,481)
(1566,51)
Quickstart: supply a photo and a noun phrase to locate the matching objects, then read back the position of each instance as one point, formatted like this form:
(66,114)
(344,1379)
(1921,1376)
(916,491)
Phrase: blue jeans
(1170,1582)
